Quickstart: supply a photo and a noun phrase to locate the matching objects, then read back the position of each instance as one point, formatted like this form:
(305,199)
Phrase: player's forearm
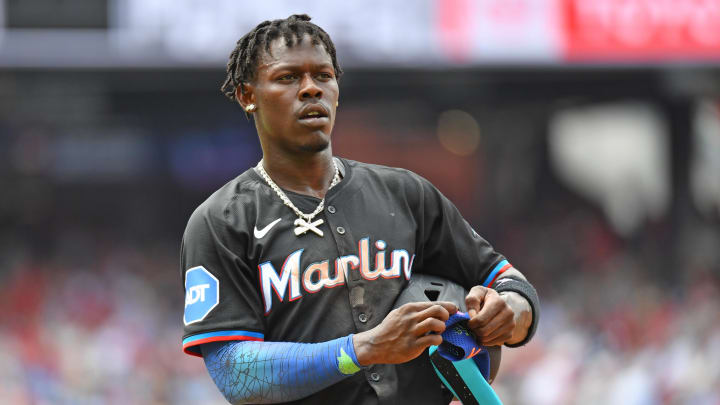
(269,372)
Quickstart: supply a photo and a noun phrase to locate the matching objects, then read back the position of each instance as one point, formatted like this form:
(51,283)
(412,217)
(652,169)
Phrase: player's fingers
(429,325)
(499,336)
(450,307)
(504,316)
(423,305)
(435,311)
(489,310)
(412,307)
(498,339)
(499,326)
(429,340)
(474,300)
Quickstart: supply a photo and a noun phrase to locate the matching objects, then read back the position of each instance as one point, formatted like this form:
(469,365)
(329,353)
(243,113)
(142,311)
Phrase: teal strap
(470,379)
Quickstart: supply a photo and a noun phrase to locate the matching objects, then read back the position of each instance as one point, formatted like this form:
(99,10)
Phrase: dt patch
(202,294)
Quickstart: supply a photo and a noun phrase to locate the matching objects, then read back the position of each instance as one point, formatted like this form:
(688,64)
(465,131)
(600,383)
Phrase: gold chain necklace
(304,222)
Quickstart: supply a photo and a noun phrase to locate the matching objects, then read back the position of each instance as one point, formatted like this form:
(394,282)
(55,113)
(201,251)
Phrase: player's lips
(314,115)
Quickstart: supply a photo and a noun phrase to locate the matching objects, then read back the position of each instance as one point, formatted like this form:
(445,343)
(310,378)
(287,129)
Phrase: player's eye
(287,77)
(325,75)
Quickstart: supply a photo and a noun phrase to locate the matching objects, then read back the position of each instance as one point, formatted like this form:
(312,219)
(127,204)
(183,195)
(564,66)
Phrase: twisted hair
(242,64)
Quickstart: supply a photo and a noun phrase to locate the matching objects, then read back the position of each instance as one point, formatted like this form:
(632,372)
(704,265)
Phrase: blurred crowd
(97,328)
(100,323)
(640,344)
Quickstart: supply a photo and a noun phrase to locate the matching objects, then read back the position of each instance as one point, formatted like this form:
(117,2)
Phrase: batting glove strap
(525,289)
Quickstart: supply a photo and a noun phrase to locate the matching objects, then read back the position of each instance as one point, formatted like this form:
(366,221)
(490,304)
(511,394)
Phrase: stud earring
(250,108)
(337,104)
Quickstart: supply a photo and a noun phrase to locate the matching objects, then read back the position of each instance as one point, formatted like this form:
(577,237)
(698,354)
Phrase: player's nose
(309,88)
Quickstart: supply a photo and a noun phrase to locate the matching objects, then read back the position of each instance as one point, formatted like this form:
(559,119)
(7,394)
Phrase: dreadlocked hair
(242,64)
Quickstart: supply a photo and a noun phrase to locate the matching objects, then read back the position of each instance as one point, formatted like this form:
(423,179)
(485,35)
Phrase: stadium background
(582,138)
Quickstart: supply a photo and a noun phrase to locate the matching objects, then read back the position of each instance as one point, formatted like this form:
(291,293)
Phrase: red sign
(455,22)
(635,30)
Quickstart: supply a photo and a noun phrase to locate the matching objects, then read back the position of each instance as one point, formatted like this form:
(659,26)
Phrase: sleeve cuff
(496,272)
(191,344)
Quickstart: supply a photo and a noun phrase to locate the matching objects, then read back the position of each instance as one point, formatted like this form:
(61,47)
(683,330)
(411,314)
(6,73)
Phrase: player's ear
(245,95)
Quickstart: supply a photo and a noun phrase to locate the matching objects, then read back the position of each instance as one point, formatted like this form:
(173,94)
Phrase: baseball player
(292,268)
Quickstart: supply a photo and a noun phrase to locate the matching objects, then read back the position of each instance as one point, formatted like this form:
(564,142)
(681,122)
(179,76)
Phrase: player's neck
(309,175)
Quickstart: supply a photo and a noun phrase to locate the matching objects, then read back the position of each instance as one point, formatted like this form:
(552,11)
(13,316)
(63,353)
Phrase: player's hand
(492,316)
(404,333)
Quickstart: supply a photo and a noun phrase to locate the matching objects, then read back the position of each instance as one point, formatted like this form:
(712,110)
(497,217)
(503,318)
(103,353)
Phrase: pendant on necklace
(303,226)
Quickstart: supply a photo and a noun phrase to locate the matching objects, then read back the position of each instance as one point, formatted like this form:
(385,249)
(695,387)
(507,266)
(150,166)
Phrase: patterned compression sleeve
(268,372)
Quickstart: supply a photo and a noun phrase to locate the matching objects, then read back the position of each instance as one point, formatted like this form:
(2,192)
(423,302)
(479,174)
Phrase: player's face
(295,91)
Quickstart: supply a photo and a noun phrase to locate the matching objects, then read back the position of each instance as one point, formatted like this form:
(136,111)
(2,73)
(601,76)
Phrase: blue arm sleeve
(268,372)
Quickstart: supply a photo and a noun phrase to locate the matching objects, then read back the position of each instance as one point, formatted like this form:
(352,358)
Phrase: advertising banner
(641,30)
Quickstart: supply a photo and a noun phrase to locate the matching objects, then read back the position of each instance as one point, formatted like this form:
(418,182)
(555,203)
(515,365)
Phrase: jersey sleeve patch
(202,294)
(496,272)
(191,344)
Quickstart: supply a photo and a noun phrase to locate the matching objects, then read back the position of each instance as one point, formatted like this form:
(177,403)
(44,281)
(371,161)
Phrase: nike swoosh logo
(501,281)
(259,233)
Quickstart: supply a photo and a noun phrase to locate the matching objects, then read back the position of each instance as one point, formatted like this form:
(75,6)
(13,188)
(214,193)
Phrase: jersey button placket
(331,209)
(363,317)
(375,377)
(340,230)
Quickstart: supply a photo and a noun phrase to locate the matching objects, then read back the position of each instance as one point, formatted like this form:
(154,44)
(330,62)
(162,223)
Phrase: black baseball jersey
(249,277)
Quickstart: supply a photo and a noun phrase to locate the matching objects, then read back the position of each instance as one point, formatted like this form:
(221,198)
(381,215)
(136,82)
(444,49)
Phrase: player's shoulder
(395,177)
(233,198)
(392,176)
